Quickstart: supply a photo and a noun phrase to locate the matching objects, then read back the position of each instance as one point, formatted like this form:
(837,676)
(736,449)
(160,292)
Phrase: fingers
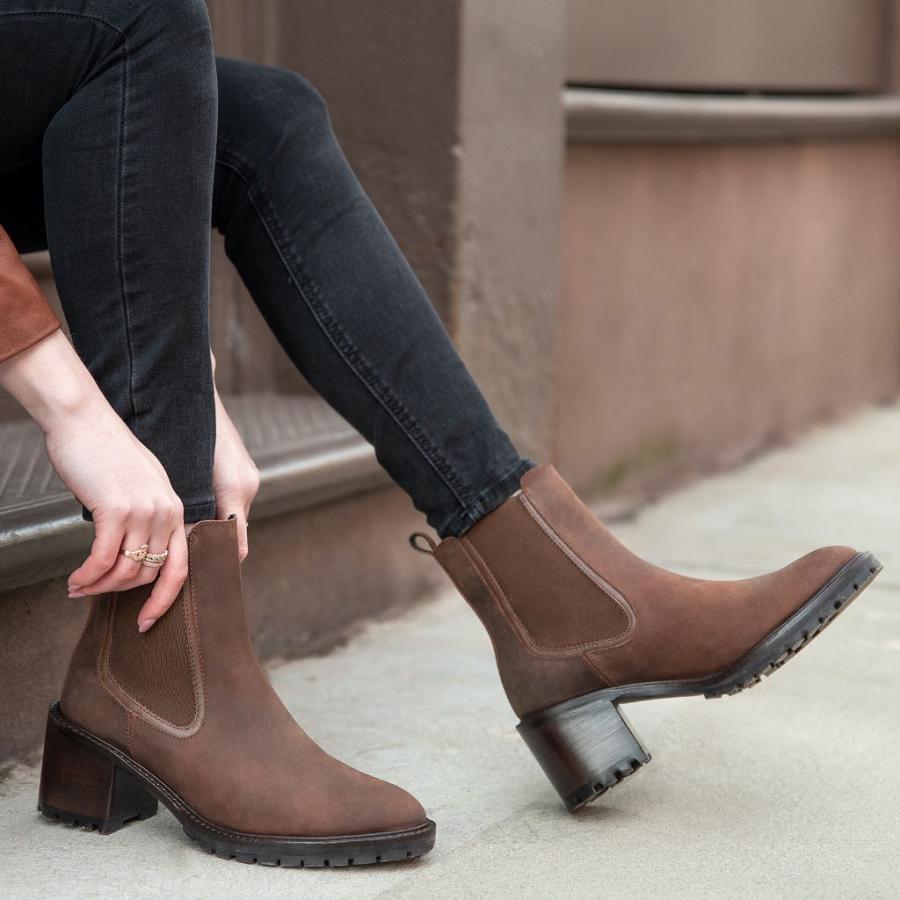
(164,527)
(169,581)
(234,497)
(152,525)
(243,543)
(243,514)
(126,573)
(108,537)
(243,539)
(229,505)
(251,489)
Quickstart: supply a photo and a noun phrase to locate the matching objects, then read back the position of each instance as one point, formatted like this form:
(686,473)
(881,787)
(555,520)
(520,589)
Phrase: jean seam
(124,51)
(120,236)
(311,296)
(44,13)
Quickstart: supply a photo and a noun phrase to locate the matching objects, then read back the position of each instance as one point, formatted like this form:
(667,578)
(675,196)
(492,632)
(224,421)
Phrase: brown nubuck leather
(580,624)
(185,714)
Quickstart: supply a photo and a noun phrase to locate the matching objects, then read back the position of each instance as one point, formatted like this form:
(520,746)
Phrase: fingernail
(74,594)
(145,624)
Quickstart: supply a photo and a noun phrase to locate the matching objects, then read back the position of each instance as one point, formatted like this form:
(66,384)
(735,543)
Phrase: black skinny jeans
(122,138)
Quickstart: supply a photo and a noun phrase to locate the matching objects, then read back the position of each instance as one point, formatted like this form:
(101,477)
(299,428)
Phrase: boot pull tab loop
(415,541)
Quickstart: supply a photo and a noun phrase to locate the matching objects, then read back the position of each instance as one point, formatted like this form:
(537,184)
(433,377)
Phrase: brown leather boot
(185,714)
(580,625)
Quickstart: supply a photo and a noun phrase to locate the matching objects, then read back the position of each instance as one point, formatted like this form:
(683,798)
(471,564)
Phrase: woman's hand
(108,470)
(235,476)
(132,504)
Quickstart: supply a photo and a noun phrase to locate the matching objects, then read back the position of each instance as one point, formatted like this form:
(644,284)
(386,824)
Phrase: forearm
(129,495)
(52,383)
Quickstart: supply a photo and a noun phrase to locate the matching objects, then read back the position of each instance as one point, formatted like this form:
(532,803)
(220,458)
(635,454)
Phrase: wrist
(52,383)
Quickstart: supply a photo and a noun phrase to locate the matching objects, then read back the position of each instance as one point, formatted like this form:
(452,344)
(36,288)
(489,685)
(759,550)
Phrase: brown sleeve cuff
(25,315)
(9,348)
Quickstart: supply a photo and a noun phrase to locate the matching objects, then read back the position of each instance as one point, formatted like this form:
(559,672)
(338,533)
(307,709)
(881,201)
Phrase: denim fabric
(107,146)
(114,109)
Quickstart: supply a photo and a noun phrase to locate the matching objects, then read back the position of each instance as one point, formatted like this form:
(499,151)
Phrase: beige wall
(776,45)
(717,298)
(892,38)
(506,282)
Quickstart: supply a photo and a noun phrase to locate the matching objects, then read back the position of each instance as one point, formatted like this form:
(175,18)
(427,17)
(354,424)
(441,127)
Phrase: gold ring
(154,560)
(138,555)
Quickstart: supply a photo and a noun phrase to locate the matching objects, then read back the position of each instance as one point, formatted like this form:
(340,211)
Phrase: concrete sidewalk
(789,790)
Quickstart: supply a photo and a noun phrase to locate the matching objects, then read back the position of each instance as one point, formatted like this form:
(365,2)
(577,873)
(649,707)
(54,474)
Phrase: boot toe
(401,808)
(382,806)
(810,572)
(351,802)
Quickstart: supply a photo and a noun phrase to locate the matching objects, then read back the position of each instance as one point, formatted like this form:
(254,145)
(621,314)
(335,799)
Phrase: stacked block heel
(585,746)
(80,786)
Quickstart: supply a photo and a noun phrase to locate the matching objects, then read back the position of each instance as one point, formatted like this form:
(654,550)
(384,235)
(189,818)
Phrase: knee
(172,45)
(170,74)
(272,124)
(289,102)
(173,39)
(266,111)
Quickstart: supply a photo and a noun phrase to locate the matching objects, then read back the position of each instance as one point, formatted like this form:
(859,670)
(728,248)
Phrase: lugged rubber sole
(89,783)
(586,746)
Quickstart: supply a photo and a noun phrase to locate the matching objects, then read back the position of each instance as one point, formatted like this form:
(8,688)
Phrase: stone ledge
(623,117)
(305,452)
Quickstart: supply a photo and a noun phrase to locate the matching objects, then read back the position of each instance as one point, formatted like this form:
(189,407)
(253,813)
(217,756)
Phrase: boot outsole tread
(288,861)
